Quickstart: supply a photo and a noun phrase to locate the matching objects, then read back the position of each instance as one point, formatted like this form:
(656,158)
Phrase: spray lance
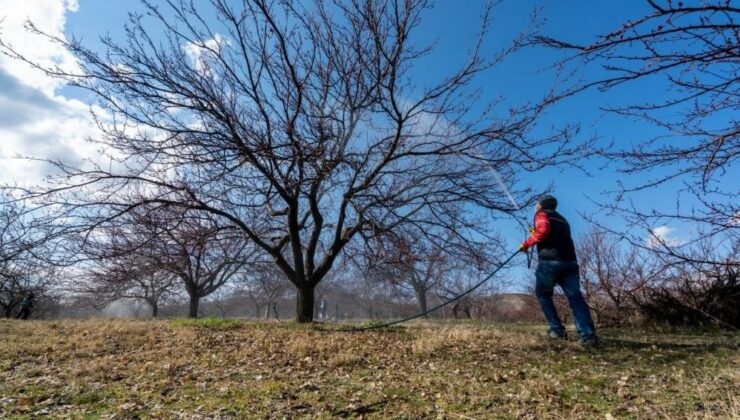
(528,230)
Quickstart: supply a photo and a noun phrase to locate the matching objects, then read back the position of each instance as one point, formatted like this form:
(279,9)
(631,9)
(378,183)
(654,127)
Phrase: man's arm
(541,230)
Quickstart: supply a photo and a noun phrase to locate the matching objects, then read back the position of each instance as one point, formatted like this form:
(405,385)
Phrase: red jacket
(541,230)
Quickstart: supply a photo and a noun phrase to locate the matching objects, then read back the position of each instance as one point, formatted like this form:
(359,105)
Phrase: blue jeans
(566,275)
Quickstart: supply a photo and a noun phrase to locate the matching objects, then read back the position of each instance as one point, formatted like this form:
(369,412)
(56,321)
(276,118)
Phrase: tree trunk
(257,310)
(268,308)
(155,309)
(193,312)
(304,304)
(421,297)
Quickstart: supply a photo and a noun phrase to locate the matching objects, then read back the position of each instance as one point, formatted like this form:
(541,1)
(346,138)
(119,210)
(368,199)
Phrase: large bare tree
(302,124)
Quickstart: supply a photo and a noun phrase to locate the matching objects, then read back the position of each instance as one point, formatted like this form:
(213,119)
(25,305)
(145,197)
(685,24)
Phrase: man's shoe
(590,342)
(557,336)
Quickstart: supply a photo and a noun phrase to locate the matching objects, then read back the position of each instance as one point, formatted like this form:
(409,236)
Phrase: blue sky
(527,74)
(451,23)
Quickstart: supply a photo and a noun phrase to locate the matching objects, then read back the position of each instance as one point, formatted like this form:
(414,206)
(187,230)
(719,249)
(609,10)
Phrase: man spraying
(26,307)
(558,266)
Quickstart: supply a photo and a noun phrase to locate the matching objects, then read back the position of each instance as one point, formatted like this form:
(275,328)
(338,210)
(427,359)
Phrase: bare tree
(22,236)
(421,267)
(455,286)
(697,293)
(299,123)
(20,280)
(21,271)
(368,286)
(372,295)
(613,274)
(621,281)
(203,256)
(131,276)
(125,260)
(11,248)
(149,250)
(694,49)
(13,232)
(225,299)
(264,284)
(460,279)
(413,265)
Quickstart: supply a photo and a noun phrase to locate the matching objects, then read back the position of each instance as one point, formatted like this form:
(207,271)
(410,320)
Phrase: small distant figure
(558,266)
(275,311)
(26,307)
(322,309)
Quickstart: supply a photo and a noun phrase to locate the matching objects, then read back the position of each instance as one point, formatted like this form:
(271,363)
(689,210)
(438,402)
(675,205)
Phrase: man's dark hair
(548,202)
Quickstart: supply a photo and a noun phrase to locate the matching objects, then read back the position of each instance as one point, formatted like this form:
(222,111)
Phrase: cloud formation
(200,54)
(36,120)
(663,236)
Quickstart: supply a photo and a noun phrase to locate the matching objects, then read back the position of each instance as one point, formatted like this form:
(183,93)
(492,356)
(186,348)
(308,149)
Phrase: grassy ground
(211,368)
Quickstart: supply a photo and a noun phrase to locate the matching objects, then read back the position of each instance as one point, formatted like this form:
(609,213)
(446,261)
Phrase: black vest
(558,246)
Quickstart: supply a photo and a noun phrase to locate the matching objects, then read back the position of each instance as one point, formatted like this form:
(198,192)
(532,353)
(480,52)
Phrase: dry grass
(212,369)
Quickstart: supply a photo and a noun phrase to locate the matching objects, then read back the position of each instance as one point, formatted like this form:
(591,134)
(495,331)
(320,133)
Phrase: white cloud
(73,5)
(200,53)
(50,17)
(35,119)
(663,236)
